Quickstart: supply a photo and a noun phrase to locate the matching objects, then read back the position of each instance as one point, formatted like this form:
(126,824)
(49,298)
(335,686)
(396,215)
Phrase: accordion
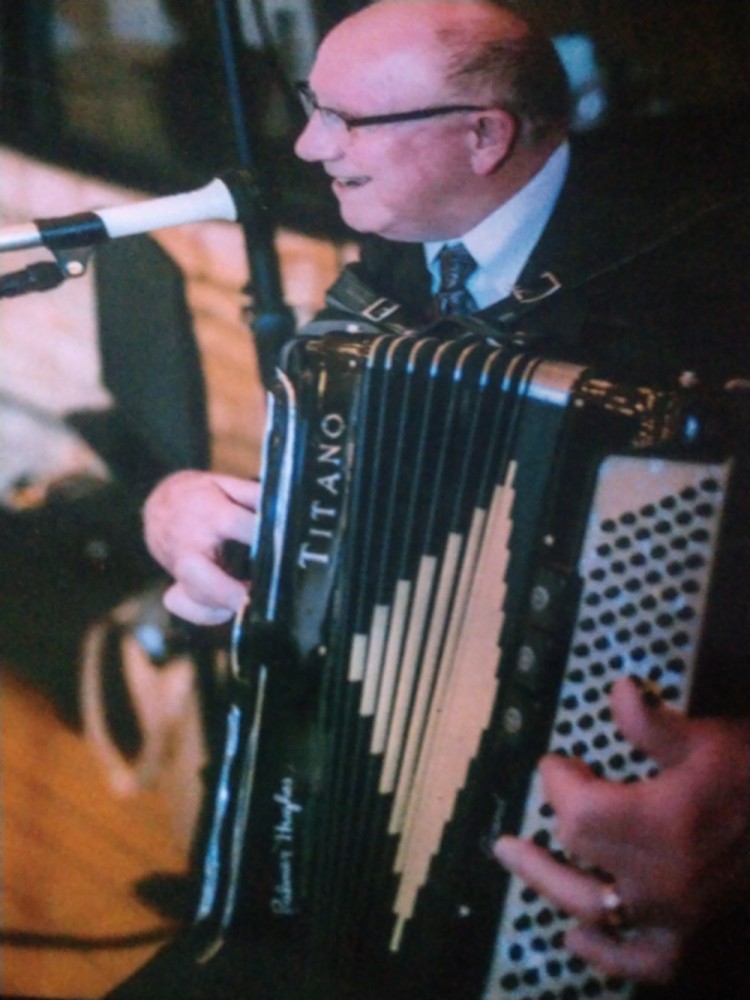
(461,546)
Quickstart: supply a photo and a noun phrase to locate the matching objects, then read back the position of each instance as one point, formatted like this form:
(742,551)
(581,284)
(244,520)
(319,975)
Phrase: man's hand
(187,519)
(677,846)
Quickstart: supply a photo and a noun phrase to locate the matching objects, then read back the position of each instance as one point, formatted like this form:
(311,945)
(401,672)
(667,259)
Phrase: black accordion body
(462,546)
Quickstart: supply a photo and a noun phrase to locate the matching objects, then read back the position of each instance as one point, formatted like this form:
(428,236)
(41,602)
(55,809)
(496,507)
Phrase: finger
(568,773)
(245,492)
(649,955)
(596,819)
(648,723)
(198,511)
(207,584)
(233,523)
(599,822)
(578,796)
(580,895)
(177,602)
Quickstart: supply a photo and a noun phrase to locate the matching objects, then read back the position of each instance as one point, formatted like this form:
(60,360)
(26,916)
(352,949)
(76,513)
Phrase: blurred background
(136,92)
(111,711)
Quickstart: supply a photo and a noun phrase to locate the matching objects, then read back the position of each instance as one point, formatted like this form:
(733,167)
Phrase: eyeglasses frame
(310,104)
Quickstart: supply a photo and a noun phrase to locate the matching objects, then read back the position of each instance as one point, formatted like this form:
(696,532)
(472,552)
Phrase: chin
(392,233)
(369,224)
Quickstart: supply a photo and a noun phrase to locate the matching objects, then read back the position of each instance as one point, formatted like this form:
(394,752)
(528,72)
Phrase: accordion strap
(350,294)
(570,274)
(354,297)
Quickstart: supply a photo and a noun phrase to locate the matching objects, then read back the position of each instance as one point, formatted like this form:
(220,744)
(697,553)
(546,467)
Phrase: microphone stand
(273,322)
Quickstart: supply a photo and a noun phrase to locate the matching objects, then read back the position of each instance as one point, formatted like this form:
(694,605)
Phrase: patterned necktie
(456,264)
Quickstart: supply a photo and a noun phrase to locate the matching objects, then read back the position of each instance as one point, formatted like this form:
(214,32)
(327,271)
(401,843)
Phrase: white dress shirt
(501,243)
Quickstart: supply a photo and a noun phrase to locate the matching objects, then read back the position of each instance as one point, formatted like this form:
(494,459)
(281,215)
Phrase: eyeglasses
(349,122)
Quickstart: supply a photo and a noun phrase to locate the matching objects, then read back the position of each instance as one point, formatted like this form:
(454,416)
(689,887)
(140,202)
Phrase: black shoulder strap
(568,275)
(351,295)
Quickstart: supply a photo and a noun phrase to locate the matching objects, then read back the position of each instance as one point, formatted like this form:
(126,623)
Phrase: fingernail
(649,692)
(505,851)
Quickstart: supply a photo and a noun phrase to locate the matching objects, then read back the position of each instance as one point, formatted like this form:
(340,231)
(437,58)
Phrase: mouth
(348,183)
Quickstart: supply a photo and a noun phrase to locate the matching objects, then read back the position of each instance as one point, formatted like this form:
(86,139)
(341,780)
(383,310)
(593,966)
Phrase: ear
(492,139)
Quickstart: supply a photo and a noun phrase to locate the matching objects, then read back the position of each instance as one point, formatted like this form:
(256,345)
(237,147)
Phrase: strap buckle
(380,309)
(547,285)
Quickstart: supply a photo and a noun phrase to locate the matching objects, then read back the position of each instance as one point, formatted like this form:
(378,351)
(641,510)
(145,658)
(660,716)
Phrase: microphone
(222,198)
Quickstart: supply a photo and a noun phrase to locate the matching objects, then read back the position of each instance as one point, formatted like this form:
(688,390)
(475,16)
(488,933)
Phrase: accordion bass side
(461,547)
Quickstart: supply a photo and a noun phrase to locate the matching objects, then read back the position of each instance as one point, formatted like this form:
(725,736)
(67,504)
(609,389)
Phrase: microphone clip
(72,261)
(43,276)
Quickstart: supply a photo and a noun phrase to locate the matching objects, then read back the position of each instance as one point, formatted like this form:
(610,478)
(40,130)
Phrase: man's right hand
(188,518)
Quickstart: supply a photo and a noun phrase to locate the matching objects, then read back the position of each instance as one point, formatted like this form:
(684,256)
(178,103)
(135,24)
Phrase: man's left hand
(676,846)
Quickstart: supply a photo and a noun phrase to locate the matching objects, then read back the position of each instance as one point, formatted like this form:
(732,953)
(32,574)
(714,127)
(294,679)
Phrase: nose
(317,143)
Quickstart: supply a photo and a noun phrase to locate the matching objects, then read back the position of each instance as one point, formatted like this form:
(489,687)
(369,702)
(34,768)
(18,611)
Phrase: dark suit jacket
(655,278)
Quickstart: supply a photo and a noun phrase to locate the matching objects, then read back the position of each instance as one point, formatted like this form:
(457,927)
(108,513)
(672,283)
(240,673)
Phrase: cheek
(426,202)
(418,178)
(413,187)
(436,169)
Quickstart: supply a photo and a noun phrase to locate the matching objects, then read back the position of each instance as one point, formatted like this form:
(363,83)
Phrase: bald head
(431,114)
(475,47)
(425,19)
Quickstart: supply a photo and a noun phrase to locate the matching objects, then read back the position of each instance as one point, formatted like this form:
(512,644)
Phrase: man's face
(404,181)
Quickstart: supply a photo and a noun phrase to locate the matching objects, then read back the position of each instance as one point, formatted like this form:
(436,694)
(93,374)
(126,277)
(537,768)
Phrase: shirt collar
(502,242)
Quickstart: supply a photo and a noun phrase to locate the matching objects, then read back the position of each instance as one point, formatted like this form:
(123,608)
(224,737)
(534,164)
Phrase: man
(446,121)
